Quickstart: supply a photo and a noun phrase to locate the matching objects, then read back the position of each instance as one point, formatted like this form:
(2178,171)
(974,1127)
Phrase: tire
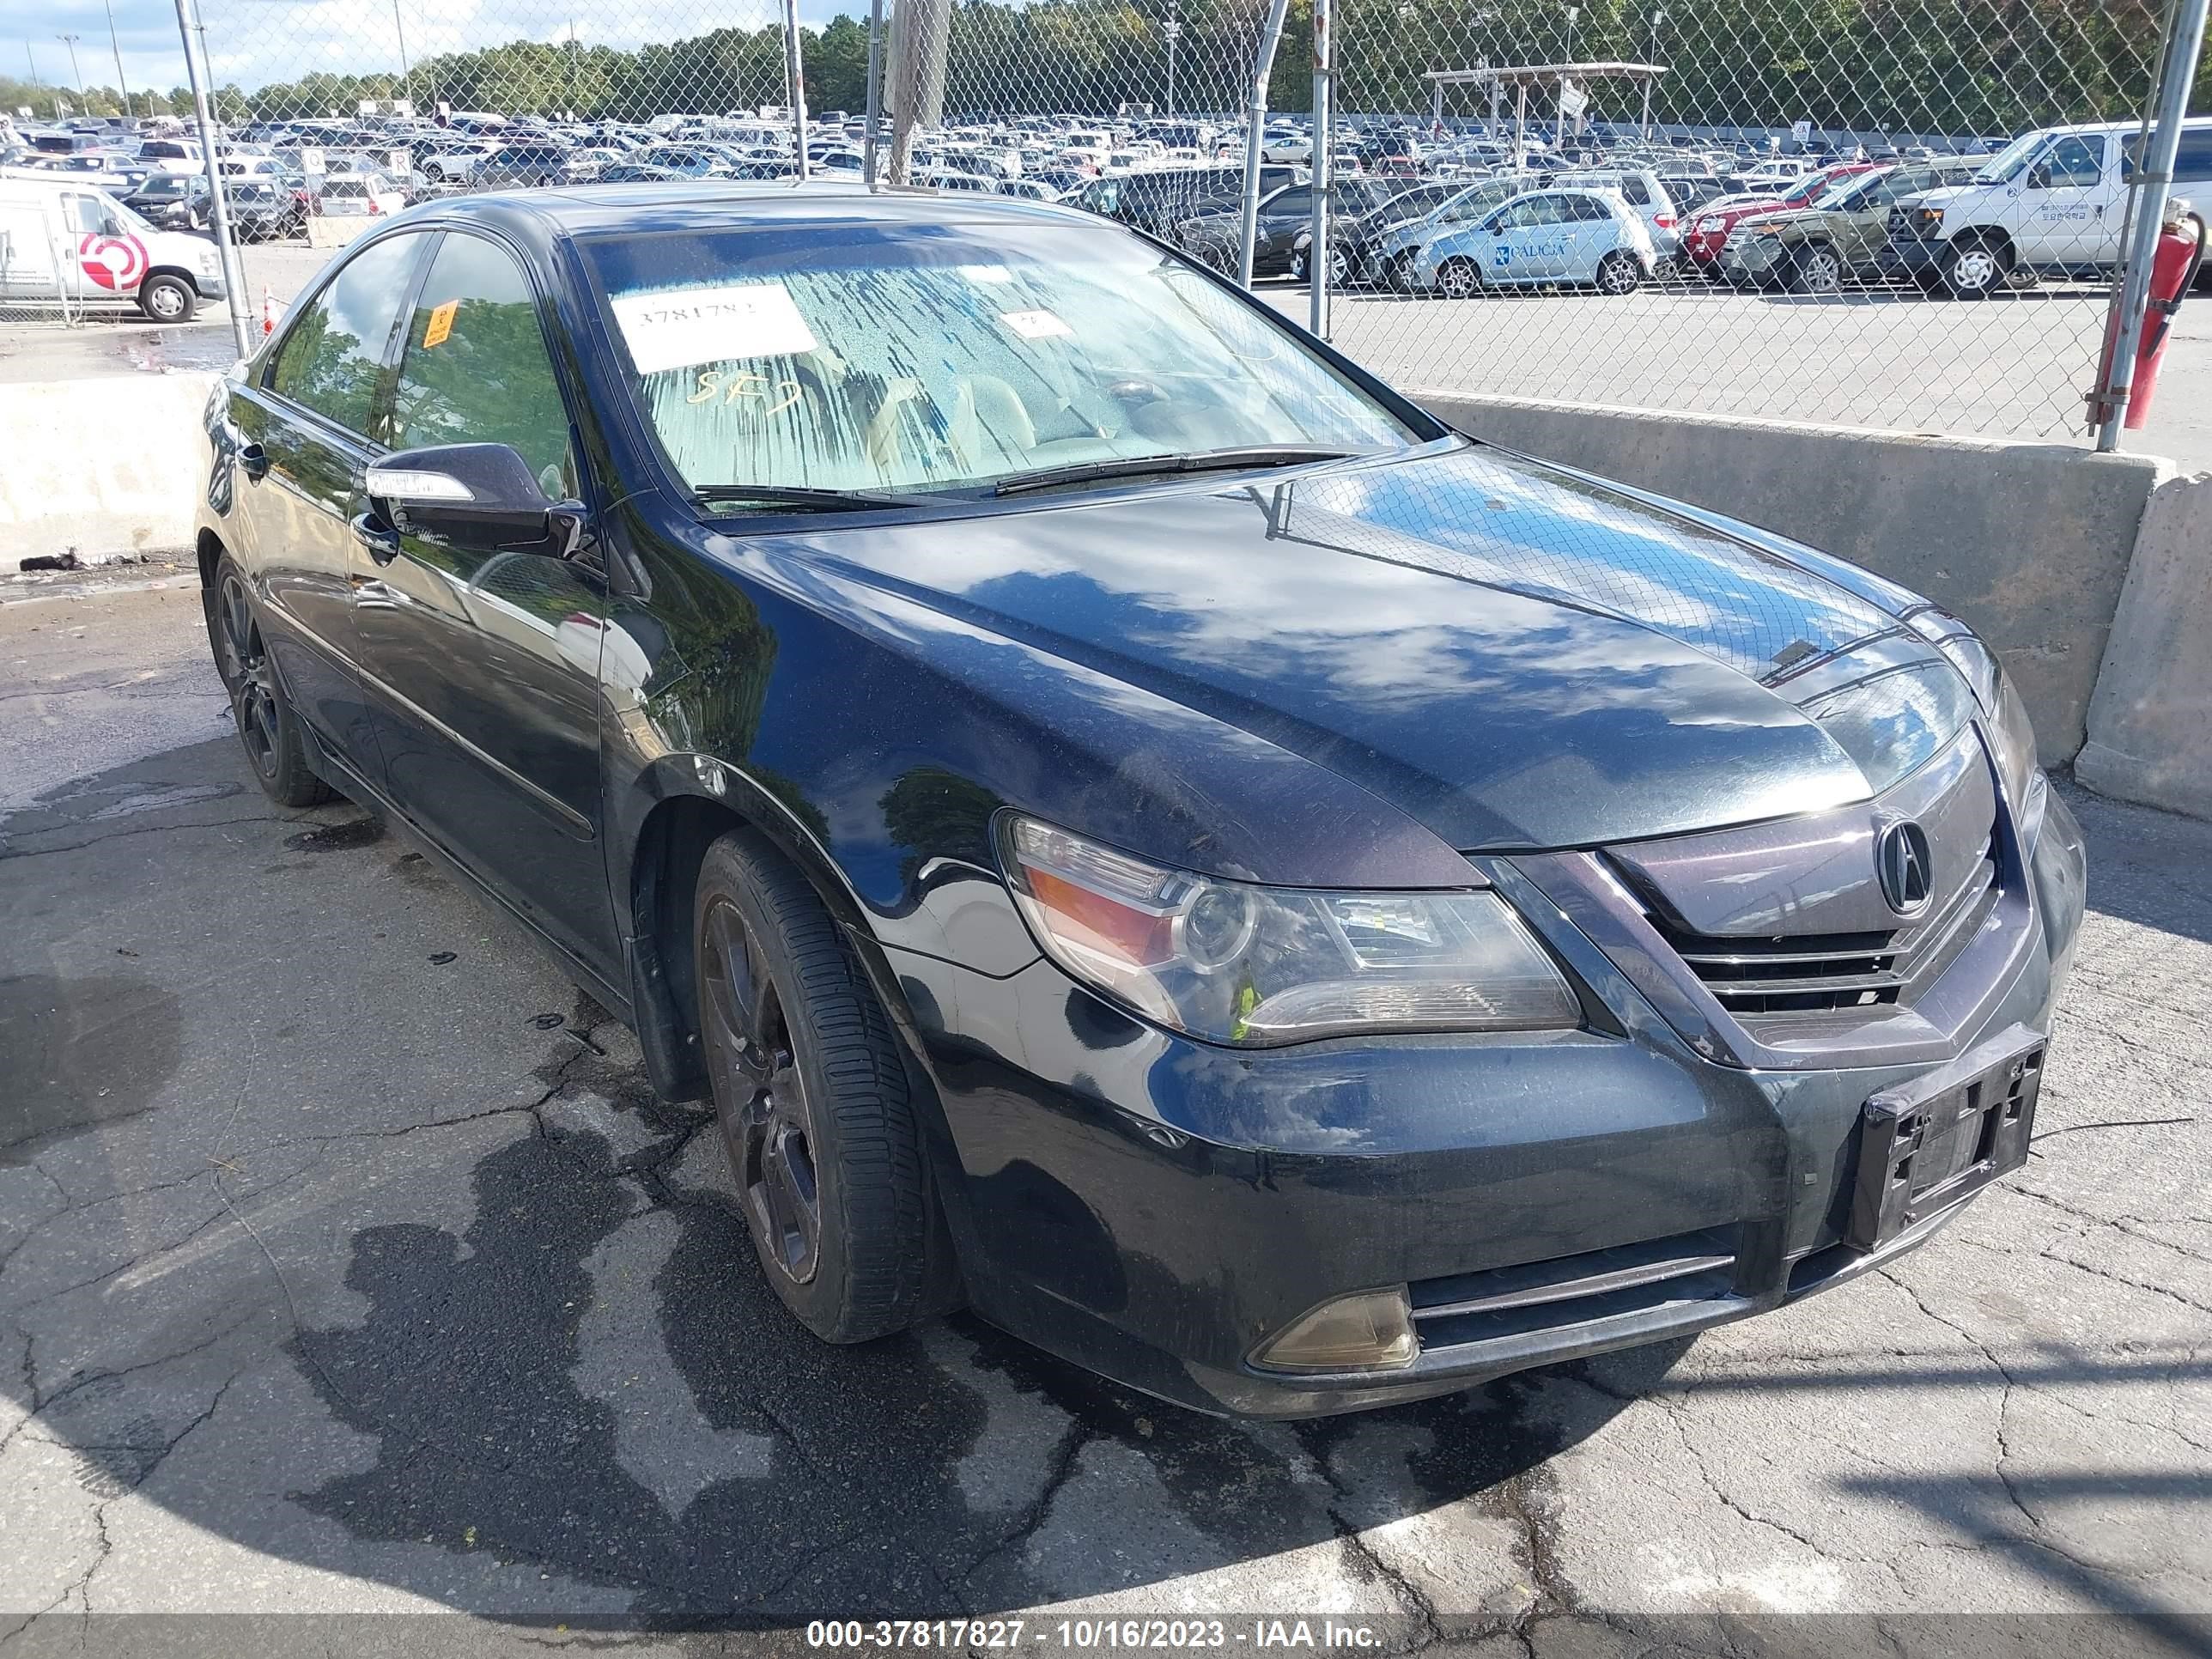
(266,725)
(1975,268)
(1398,275)
(1816,268)
(811,1098)
(1459,278)
(1619,273)
(168,299)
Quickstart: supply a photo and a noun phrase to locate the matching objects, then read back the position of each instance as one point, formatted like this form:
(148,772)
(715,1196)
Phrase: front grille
(1824,973)
(1574,1290)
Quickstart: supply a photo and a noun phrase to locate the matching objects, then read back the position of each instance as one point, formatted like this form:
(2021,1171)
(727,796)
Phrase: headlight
(1229,962)
(1927,220)
(2014,739)
(1976,663)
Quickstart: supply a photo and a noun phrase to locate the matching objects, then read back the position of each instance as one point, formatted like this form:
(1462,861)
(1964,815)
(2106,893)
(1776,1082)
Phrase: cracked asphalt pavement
(348,1266)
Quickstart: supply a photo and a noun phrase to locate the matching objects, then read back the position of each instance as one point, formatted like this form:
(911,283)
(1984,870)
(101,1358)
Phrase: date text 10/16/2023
(1087,1635)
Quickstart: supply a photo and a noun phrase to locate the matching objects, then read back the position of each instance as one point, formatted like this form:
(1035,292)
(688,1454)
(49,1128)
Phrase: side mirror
(482,495)
(2038,176)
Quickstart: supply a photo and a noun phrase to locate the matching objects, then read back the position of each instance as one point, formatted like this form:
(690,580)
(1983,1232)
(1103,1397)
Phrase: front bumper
(1153,1208)
(1910,253)
(1753,259)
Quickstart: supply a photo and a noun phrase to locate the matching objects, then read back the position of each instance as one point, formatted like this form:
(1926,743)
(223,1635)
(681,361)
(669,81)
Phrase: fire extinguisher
(2174,265)
(2173,272)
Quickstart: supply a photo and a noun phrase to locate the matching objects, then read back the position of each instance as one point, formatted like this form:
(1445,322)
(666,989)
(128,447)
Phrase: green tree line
(1959,66)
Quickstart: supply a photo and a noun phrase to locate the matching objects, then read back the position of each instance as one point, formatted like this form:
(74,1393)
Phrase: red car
(1708,230)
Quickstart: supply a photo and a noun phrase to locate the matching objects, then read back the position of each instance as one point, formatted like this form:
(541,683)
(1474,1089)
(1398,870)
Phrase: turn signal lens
(1233,963)
(1367,1331)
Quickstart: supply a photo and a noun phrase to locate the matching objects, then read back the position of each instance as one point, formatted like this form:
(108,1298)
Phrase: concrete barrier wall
(110,466)
(2150,724)
(2028,541)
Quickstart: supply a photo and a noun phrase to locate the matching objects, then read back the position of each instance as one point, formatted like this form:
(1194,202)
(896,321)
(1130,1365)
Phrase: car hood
(1939,195)
(1514,655)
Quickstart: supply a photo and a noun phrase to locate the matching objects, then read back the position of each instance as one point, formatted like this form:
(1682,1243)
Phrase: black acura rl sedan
(1135,826)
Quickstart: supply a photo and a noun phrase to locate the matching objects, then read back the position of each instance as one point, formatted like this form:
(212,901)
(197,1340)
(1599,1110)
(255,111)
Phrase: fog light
(1370,1330)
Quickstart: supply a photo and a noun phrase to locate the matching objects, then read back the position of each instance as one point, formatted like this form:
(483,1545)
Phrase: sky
(251,42)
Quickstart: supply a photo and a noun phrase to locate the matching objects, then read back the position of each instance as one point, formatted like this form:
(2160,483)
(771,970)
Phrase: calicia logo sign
(117,264)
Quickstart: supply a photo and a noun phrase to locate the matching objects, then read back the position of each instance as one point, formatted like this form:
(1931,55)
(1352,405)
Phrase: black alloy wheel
(266,726)
(811,1096)
(766,1122)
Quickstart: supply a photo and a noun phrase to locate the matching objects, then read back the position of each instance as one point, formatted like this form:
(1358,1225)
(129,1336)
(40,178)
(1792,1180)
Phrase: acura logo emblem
(1903,865)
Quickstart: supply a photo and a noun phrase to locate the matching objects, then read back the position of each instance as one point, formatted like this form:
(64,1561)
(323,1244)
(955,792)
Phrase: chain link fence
(1714,205)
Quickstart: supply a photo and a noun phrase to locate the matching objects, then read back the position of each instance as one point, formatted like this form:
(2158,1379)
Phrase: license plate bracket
(1927,1142)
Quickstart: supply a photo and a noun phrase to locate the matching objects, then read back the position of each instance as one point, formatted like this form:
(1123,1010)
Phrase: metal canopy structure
(1522,76)
(1528,74)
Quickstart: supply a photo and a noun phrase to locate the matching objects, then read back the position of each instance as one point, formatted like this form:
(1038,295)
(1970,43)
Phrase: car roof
(715,204)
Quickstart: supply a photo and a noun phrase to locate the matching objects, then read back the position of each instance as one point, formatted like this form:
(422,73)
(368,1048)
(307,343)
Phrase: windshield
(2009,159)
(942,356)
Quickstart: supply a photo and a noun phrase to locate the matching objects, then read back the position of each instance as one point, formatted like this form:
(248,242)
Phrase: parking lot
(348,1264)
(2012,367)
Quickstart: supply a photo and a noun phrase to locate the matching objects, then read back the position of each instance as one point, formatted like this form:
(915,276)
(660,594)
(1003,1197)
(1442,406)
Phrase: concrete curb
(2151,721)
(108,465)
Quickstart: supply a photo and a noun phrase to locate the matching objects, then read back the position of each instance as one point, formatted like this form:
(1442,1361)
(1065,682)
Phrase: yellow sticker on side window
(441,323)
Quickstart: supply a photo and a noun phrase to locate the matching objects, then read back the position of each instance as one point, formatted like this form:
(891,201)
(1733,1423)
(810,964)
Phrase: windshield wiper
(826,500)
(1204,460)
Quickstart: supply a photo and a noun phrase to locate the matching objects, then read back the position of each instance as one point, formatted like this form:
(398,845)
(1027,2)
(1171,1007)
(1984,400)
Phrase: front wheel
(266,725)
(168,299)
(1974,269)
(1817,269)
(812,1102)
(1459,278)
(1619,272)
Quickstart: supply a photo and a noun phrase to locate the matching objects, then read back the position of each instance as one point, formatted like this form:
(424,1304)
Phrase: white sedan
(1542,236)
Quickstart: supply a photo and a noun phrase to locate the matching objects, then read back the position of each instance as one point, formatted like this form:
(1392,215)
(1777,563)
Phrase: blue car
(1542,237)
(1128,823)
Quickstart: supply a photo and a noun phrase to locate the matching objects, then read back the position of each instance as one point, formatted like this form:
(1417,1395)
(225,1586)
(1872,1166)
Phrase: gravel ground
(348,1266)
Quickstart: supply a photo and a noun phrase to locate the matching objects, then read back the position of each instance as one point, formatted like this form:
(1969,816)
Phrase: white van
(65,244)
(2050,203)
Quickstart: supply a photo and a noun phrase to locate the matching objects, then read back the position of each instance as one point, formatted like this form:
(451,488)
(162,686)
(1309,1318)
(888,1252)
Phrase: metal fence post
(795,73)
(2147,214)
(234,270)
(1324,76)
(875,92)
(1255,135)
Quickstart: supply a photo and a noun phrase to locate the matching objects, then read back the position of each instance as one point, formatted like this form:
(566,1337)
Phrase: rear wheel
(1459,278)
(1620,273)
(811,1099)
(266,725)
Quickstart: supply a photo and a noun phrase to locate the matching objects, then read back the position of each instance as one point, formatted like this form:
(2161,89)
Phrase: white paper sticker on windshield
(989,276)
(1035,325)
(681,326)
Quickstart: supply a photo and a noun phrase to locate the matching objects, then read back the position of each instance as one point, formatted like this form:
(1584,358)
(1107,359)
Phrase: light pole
(1651,56)
(121,85)
(406,78)
(1172,29)
(76,74)
(1560,139)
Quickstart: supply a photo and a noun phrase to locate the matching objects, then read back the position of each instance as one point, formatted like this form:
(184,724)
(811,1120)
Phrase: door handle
(253,461)
(381,540)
